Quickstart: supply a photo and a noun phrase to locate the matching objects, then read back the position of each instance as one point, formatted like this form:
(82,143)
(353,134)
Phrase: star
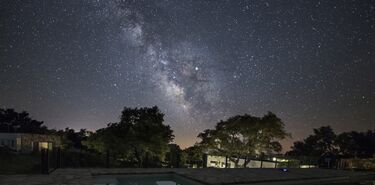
(198,61)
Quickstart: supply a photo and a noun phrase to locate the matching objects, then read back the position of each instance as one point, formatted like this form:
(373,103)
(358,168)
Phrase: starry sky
(77,63)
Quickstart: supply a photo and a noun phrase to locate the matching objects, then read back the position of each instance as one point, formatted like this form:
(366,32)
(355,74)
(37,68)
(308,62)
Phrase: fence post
(53,158)
(47,161)
(80,157)
(205,156)
(58,158)
(44,161)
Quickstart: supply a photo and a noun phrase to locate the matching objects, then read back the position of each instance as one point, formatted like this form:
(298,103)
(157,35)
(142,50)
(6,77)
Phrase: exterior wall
(254,164)
(216,161)
(219,162)
(267,164)
(29,142)
(10,140)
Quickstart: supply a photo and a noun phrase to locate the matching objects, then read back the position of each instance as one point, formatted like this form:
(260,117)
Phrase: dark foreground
(209,176)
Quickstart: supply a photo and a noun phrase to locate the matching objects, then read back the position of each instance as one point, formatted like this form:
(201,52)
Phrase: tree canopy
(324,140)
(356,144)
(321,142)
(194,155)
(244,135)
(12,121)
(139,137)
(72,139)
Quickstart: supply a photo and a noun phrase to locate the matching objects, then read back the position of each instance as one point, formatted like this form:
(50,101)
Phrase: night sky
(78,63)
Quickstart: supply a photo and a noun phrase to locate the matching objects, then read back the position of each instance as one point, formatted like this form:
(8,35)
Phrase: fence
(46,161)
(260,162)
(50,160)
(357,164)
(57,158)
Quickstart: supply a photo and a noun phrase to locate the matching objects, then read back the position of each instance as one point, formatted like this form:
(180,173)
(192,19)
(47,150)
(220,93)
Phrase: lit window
(43,145)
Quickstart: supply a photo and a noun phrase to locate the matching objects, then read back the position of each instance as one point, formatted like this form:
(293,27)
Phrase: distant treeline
(140,139)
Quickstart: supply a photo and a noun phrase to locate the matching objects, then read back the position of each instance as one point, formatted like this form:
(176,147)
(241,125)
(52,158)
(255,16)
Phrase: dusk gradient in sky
(78,63)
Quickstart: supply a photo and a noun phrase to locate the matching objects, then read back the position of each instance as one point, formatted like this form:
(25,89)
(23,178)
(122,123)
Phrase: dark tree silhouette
(321,142)
(175,157)
(139,137)
(244,136)
(324,140)
(12,121)
(357,144)
(194,155)
(72,139)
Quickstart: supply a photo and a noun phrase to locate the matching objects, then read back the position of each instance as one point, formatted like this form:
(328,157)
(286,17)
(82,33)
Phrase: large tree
(175,158)
(322,141)
(139,137)
(194,155)
(12,121)
(356,144)
(72,139)
(242,136)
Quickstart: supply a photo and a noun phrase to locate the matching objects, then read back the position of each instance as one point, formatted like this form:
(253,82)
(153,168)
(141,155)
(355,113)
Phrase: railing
(51,160)
(356,164)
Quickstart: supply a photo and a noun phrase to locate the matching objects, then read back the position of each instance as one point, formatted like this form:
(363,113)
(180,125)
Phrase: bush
(76,158)
(16,163)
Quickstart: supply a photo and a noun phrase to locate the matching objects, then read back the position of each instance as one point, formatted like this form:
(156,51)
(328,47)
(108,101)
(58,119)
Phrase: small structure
(25,143)
(216,161)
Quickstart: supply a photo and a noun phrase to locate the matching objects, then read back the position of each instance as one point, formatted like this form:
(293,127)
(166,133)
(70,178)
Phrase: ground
(209,176)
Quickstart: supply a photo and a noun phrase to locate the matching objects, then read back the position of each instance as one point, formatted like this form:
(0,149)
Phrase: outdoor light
(284,170)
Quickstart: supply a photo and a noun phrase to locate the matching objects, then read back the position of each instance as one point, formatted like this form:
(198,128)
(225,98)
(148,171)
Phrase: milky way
(78,63)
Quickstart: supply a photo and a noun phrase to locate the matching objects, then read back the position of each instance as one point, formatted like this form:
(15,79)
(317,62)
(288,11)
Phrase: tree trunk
(146,160)
(107,158)
(138,157)
(247,161)
(226,161)
(236,162)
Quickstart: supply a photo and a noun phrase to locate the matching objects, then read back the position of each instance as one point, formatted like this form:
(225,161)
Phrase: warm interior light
(43,145)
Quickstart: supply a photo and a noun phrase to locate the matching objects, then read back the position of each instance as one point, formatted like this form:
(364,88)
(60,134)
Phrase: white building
(22,142)
(221,161)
